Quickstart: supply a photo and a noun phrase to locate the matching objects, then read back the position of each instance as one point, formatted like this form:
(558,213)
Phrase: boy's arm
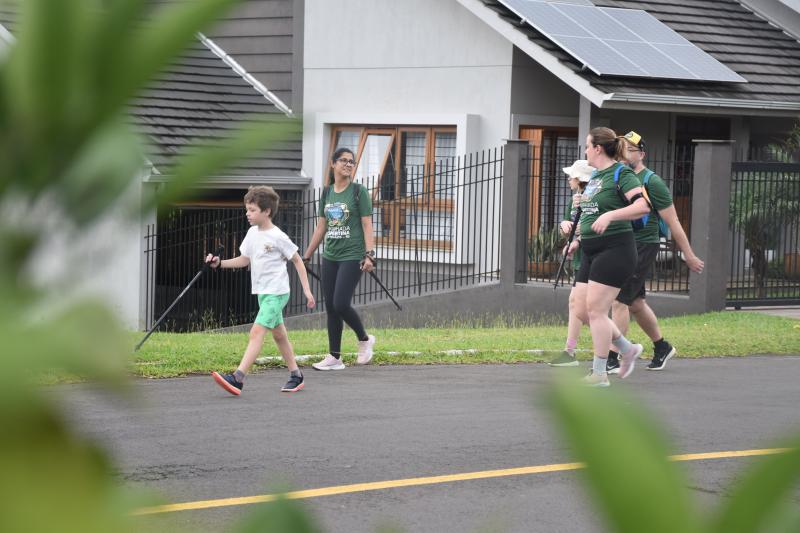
(237,262)
(297,261)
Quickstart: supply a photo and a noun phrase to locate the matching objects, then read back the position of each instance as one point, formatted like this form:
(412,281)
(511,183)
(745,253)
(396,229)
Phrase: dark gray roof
(201,99)
(198,100)
(764,55)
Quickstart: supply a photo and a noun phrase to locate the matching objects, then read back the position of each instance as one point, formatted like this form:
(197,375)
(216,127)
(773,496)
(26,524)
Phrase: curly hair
(264,197)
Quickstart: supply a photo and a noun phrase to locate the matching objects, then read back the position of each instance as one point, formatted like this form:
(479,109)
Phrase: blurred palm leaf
(633,483)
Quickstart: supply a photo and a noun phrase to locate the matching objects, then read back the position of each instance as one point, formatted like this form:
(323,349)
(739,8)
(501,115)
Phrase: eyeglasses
(345,161)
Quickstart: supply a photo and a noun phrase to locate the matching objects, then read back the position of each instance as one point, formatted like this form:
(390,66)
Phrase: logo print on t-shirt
(593,187)
(337,214)
(268,247)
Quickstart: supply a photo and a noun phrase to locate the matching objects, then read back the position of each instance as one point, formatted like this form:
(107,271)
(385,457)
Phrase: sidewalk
(788,312)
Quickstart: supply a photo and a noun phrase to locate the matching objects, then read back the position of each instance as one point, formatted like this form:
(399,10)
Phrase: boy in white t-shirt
(265,249)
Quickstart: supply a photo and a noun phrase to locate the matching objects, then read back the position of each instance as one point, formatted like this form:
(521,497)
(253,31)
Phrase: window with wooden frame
(410,173)
(553,149)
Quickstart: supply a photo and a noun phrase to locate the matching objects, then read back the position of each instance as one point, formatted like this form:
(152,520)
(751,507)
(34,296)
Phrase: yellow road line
(432,480)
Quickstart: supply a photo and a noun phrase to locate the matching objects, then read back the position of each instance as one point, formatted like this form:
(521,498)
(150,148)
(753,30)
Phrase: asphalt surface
(187,440)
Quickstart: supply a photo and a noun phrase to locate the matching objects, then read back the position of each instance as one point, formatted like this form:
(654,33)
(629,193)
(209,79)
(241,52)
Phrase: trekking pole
(313,274)
(205,268)
(569,241)
(389,294)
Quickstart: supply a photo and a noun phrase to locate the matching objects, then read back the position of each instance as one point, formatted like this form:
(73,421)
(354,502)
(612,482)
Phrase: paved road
(188,440)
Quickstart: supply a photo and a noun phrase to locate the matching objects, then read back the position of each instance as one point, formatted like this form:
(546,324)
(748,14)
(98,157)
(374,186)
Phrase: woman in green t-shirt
(345,222)
(611,199)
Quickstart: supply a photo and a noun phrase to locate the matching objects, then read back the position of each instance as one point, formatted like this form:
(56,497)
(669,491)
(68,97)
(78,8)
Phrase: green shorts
(270,309)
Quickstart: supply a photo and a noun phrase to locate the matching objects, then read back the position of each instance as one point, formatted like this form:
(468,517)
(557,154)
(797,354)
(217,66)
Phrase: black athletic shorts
(609,260)
(634,287)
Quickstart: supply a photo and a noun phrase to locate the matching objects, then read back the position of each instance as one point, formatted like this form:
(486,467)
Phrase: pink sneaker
(365,350)
(329,363)
(628,360)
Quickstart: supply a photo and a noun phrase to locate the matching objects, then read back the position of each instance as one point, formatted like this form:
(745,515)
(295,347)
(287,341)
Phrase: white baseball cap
(580,169)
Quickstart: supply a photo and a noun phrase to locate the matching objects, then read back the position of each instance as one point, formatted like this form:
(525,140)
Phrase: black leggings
(339,280)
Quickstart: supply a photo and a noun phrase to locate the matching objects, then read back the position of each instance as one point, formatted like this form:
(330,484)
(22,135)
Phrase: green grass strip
(707,335)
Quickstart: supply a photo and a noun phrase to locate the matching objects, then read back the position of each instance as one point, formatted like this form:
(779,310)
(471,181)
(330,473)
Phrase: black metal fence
(436,228)
(765,233)
(549,196)
(175,248)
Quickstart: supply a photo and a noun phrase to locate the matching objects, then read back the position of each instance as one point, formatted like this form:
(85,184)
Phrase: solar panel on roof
(621,42)
(602,56)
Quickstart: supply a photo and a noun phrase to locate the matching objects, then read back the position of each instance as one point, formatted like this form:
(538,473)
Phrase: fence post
(711,193)
(514,216)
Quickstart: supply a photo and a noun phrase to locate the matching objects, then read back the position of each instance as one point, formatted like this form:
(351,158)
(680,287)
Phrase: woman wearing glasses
(612,198)
(345,222)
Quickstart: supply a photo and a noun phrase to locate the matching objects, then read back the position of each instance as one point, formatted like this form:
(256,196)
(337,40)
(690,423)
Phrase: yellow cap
(635,139)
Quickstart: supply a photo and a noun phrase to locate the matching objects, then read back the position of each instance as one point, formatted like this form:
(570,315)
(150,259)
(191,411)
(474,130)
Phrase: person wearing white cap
(578,175)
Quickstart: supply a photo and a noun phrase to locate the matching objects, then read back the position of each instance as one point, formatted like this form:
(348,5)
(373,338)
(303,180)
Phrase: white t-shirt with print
(268,251)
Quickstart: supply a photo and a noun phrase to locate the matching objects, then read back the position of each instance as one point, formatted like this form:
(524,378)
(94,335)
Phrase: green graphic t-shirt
(600,196)
(344,238)
(660,198)
(569,215)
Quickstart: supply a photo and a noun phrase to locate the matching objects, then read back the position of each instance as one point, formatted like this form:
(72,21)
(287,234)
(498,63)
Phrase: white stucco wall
(426,62)
(102,261)
(539,98)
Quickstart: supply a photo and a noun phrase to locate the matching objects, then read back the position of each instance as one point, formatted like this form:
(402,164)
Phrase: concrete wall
(426,62)
(538,98)
(514,304)
(102,261)
(654,127)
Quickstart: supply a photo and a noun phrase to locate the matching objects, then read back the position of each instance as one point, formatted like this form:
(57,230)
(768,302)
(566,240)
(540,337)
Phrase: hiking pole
(389,294)
(205,268)
(313,274)
(569,241)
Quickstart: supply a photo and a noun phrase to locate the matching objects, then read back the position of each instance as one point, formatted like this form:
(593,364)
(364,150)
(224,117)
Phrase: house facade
(415,88)
(406,79)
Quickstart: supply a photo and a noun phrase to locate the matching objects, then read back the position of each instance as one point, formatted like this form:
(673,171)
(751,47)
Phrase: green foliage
(643,491)
(68,156)
(545,246)
(761,208)
(279,516)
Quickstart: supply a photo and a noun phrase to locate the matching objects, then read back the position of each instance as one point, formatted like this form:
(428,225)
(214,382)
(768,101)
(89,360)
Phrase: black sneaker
(660,357)
(228,382)
(612,363)
(294,384)
(564,359)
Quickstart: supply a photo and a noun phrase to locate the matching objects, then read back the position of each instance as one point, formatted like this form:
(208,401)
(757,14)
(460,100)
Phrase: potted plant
(544,251)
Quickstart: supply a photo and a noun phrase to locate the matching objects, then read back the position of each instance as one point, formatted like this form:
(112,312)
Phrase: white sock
(599,365)
(623,345)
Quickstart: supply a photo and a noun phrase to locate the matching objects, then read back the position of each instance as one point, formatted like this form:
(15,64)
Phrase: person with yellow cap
(631,298)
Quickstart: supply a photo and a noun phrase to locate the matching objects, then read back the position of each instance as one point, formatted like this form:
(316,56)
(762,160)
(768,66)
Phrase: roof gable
(201,98)
(760,52)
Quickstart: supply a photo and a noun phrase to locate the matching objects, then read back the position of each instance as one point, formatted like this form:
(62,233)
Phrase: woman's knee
(341,306)
(596,309)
